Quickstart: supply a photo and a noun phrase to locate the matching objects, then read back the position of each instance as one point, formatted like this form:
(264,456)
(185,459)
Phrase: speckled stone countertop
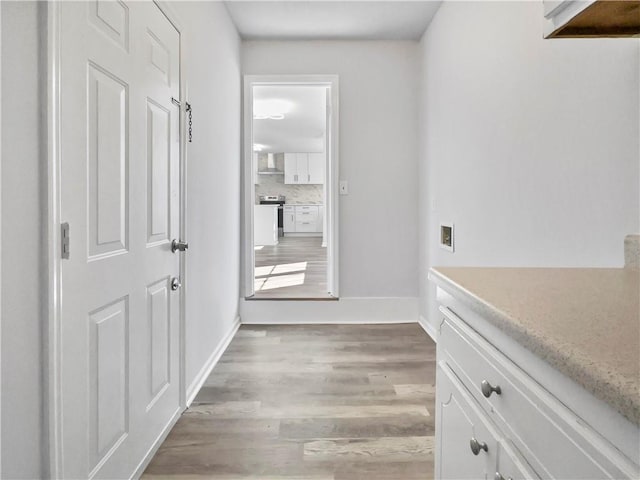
(585,322)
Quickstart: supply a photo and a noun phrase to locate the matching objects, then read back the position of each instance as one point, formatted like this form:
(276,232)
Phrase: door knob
(175,284)
(498,476)
(488,389)
(178,245)
(476,446)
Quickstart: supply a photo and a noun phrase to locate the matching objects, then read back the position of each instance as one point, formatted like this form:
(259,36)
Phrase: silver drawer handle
(498,476)
(476,446)
(488,389)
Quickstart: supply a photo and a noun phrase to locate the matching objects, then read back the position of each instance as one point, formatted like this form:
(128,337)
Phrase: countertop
(585,322)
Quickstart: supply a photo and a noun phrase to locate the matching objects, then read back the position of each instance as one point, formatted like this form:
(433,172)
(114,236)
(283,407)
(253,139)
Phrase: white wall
(23,172)
(529,146)
(214,159)
(378,153)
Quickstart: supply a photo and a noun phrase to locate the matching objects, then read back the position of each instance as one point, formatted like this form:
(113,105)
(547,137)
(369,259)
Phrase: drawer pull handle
(476,446)
(488,389)
(498,476)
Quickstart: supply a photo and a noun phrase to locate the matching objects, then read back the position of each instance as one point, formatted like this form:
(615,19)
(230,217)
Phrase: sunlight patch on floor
(270,277)
(283,281)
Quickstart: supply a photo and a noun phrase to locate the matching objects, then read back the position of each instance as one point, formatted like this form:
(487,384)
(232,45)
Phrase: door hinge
(64,240)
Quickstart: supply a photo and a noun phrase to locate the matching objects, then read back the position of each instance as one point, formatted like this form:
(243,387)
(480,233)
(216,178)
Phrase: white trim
(53,387)
(368,310)
(0,238)
(429,328)
(331,210)
(144,463)
(205,371)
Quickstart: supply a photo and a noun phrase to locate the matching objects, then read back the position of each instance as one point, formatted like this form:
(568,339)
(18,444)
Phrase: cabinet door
(316,168)
(511,464)
(289,219)
(303,168)
(290,168)
(458,424)
(320,224)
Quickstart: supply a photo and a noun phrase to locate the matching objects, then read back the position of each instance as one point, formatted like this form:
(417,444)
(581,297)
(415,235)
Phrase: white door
(119,373)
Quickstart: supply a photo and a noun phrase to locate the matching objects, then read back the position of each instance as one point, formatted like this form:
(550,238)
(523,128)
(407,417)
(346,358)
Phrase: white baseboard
(358,310)
(144,463)
(205,371)
(429,328)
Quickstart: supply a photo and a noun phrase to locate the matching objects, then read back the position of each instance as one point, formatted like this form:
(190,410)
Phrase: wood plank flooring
(295,268)
(310,402)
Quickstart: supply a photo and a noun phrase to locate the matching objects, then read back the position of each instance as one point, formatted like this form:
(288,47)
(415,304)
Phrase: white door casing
(119,162)
(331,174)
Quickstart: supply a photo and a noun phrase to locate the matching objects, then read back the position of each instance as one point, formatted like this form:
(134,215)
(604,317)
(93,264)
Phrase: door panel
(108,178)
(119,69)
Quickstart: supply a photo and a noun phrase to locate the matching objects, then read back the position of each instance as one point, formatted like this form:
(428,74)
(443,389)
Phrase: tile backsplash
(274,185)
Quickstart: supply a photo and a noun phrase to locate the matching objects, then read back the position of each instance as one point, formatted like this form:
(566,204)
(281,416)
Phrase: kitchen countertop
(585,322)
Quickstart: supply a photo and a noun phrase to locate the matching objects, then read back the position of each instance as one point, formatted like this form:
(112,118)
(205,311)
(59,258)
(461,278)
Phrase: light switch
(344,187)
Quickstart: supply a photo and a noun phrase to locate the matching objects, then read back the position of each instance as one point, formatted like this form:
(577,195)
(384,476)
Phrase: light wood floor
(295,268)
(330,402)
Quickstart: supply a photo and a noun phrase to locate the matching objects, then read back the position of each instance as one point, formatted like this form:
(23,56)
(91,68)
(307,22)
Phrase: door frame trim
(52,385)
(331,210)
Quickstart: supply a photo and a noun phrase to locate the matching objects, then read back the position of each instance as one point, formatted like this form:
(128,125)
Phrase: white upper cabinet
(304,168)
(316,168)
(290,168)
(591,18)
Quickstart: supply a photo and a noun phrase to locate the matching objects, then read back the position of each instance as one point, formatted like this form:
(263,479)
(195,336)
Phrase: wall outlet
(344,187)
(446,236)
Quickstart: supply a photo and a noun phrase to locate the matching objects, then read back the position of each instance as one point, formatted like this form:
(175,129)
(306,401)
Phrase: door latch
(175,284)
(64,240)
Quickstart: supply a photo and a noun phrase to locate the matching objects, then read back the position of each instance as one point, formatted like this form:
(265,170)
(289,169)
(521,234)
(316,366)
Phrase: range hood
(591,18)
(271,167)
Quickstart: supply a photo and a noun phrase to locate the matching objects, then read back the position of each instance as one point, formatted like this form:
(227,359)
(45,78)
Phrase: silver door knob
(498,476)
(175,284)
(476,446)
(488,389)
(178,245)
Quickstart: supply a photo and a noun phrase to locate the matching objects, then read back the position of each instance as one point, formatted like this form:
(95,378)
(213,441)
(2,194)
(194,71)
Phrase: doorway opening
(290,195)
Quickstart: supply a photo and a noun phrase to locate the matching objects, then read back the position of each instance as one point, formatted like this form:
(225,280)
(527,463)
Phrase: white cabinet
(304,168)
(316,167)
(265,225)
(303,219)
(481,394)
(289,219)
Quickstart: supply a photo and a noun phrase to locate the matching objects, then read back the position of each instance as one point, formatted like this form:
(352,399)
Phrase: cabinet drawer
(306,208)
(307,216)
(459,420)
(554,440)
(304,226)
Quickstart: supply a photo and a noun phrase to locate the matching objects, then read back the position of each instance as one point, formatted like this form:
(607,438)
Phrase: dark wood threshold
(294,299)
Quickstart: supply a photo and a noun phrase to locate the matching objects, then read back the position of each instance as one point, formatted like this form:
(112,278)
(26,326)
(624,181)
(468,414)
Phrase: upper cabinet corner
(591,18)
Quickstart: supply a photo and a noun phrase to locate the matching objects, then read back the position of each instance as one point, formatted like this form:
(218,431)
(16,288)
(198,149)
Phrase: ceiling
(303,127)
(331,20)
